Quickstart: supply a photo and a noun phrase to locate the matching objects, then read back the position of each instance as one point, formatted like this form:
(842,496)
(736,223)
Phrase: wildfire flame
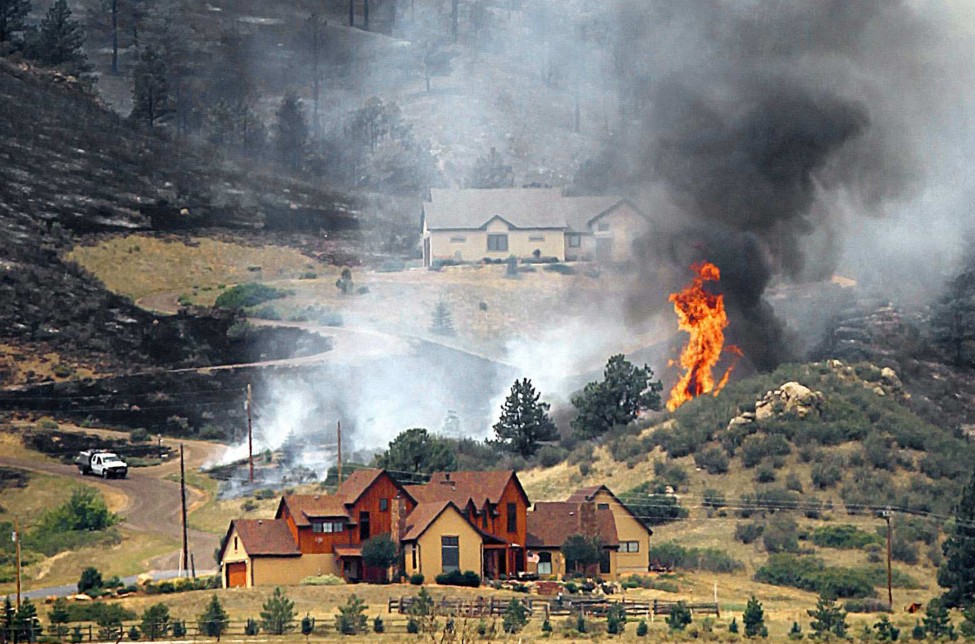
(703,316)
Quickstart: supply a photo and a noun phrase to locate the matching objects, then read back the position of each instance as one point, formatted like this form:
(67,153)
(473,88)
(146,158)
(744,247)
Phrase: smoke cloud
(759,119)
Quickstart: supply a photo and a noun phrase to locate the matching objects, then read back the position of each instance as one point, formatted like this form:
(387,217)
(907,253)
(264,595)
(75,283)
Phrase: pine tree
(351,619)
(957,571)
(625,391)
(26,625)
(60,40)
(150,89)
(753,618)
(58,617)
(7,620)
(12,15)
(491,172)
(291,132)
(828,618)
(524,421)
(937,622)
(886,631)
(278,616)
(155,621)
(213,621)
(443,322)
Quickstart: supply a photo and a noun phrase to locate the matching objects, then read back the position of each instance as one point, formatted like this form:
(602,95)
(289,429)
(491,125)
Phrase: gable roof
(551,523)
(303,507)
(267,537)
(461,487)
(589,493)
(519,207)
(425,515)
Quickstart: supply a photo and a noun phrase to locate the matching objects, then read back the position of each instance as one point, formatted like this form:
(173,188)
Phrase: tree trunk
(352,13)
(115,36)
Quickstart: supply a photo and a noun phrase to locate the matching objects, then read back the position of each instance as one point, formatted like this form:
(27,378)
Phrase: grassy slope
(698,530)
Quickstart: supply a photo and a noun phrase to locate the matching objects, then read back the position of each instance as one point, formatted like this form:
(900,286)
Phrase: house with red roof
(458,521)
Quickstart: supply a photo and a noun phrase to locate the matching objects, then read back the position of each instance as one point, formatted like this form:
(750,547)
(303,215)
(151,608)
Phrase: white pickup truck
(103,464)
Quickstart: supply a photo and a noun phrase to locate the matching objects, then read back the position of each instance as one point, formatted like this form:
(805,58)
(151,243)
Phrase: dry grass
(138,265)
(24,363)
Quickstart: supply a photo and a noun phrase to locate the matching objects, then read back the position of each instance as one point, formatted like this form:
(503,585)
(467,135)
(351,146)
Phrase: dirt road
(151,503)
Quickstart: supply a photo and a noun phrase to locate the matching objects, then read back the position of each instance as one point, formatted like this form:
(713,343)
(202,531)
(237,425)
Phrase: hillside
(766,466)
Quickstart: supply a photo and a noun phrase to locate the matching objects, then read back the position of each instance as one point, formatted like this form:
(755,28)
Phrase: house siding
(558,565)
(289,571)
(626,227)
(232,554)
(628,529)
(475,244)
(428,547)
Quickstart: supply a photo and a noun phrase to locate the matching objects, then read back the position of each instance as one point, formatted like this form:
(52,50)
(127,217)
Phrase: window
(602,506)
(545,563)
(235,543)
(450,553)
(413,553)
(328,527)
(604,564)
(603,227)
(363,525)
(536,238)
(629,546)
(512,517)
(383,505)
(575,241)
(484,520)
(497,242)
(458,239)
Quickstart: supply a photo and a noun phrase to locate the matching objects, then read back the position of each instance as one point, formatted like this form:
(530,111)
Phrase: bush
(843,536)
(781,535)
(247,295)
(468,578)
(713,499)
(561,269)
(515,617)
(765,473)
(749,532)
(712,460)
(670,473)
(642,629)
(812,574)
(673,555)
(378,626)
(679,617)
(416,579)
(251,627)
(793,483)
(827,472)
(90,579)
(866,605)
(755,449)
(550,455)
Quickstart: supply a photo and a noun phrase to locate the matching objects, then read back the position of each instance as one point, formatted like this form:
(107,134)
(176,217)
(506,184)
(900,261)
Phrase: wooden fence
(546,607)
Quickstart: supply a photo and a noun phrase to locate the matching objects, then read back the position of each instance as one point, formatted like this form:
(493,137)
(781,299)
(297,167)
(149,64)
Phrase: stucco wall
(288,571)
(628,529)
(446,244)
(429,560)
(558,565)
(233,554)
(625,225)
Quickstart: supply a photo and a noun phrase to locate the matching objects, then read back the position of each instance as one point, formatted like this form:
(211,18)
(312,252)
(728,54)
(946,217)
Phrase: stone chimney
(397,518)
(588,524)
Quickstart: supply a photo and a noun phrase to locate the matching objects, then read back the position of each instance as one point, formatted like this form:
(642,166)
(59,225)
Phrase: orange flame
(702,315)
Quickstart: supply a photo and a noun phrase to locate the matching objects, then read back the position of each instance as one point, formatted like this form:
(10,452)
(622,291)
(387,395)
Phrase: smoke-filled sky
(784,141)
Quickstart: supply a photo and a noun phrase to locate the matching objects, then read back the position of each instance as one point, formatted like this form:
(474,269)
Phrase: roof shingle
(551,523)
(266,537)
(520,207)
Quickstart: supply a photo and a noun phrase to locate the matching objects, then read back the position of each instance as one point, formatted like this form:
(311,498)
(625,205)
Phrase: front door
(350,570)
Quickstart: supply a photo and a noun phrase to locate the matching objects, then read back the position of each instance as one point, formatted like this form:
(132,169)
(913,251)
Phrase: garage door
(237,575)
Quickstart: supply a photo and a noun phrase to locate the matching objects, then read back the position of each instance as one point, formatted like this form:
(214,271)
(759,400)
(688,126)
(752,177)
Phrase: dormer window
(328,527)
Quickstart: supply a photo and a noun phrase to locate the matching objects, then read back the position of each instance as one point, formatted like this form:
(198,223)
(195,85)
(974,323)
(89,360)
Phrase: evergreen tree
(795,633)
(937,622)
(625,391)
(917,633)
(733,626)
(524,421)
(155,621)
(957,571)
(7,619)
(968,626)
(581,552)
(213,621)
(278,616)
(443,322)
(26,625)
(351,619)
(886,631)
(828,618)
(616,619)
(379,551)
(953,318)
(515,617)
(291,132)
(12,16)
(58,617)
(60,41)
(753,618)
(679,617)
(150,89)
(417,450)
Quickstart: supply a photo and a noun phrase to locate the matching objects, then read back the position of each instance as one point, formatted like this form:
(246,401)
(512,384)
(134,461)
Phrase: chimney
(397,518)
(587,519)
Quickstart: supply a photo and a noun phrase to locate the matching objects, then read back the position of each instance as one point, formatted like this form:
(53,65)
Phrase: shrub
(793,483)
(866,605)
(412,626)
(755,449)
(251,627)
(247,295)
(733,626)
(812,574)
(901,549)
(712,460)
(416,579)
(781,535)
(679,617)
(753,618)
(749,532)
(673,555)
(550,455)
(90,579)
(672,474)
(515,617)
(561,269)
(351,619)
(843,536)
(642,629)
(134,634)
(467,578)
(654,509)
(616,619)
(713,499)
(378,626)
(827,472)
(765,473)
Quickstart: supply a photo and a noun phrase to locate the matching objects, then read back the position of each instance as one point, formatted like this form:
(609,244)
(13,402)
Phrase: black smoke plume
(746,115)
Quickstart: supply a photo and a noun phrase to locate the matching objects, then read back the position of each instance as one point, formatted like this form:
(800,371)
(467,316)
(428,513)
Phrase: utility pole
(338,430)
(250,434)
(886,514)
(182,494)
(17,540)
